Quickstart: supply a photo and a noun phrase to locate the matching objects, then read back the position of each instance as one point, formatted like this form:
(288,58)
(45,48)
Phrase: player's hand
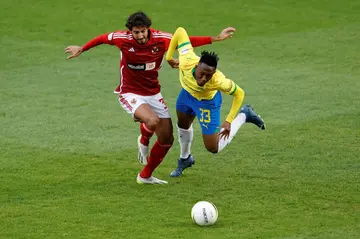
(74,51)
(225,130)
(225,34)
(174,63)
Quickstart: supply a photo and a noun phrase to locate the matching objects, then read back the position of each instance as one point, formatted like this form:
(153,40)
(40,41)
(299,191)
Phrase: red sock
(156,156)
(146,134)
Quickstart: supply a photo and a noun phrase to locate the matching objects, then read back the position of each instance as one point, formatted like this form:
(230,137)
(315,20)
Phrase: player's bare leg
(214,144)
(163,130)
(211,142)
(185,137)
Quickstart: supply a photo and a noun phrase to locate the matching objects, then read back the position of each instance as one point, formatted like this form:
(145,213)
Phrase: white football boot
(143,152)
(151,180)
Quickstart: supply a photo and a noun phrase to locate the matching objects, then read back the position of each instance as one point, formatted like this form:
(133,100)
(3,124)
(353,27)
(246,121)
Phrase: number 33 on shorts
(204,115)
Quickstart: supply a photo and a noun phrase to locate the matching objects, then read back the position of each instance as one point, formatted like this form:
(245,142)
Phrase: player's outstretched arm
(76,51)
(224,34)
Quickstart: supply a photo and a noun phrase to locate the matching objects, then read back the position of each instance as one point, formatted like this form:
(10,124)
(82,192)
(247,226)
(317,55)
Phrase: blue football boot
(252,117)
(182,165)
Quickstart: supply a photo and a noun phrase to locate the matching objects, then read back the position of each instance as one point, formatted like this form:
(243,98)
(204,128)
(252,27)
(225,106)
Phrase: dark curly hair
(209,58)
(138,19)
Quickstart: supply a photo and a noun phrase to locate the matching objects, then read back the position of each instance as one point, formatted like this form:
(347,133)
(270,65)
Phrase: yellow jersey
(218,82)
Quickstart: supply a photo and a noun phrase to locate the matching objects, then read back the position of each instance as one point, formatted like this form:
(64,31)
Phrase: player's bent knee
(213,150)
(180,29)
(152,122)
(184,125)
(166,141)
(211,143)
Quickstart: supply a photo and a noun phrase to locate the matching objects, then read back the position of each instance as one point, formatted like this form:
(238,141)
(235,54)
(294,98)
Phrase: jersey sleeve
(180,41)
(229,87)
(200,41)
(195,41)
(112,38)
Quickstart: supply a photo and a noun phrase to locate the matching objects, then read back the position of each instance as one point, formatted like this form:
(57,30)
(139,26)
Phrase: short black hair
(138,19)
(209,58)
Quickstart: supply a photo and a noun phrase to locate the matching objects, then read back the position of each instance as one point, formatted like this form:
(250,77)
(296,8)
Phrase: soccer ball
(204,213)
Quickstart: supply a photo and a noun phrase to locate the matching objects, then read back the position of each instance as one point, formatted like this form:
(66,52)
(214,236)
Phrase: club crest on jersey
(133,101)
(155,49)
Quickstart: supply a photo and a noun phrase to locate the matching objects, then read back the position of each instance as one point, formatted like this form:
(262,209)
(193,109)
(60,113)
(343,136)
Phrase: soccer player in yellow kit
(201,97)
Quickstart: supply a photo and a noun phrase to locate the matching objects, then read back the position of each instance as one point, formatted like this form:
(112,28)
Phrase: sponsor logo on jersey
(132,49)
(136,66)
(184,51)
(142,67)
(150,66)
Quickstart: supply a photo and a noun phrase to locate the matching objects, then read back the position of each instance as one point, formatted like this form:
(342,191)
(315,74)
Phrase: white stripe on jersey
(167,33)
(162,37)
(122,37)
(122,34)
(121,78)
(162,34)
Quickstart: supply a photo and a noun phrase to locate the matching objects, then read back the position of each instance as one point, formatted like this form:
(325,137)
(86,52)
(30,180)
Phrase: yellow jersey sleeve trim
(183,44)
(234,90)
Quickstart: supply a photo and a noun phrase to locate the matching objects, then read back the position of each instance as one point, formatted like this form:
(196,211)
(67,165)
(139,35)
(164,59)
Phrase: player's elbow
(180,30)
(239,93)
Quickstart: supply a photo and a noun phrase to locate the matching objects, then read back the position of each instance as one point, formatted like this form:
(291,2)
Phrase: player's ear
(195,69)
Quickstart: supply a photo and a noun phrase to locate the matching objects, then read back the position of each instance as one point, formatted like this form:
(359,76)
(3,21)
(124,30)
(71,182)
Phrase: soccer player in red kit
(142,50)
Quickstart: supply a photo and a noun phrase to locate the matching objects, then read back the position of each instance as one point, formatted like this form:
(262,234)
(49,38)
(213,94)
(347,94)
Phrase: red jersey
(140,63)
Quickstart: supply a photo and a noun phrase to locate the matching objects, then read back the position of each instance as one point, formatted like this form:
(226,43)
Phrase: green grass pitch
(68,150)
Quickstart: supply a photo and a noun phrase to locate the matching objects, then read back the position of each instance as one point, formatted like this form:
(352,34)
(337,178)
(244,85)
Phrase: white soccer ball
(204,213)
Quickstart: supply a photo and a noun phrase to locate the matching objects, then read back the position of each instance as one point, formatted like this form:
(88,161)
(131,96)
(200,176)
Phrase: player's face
(140,34)
(203,73)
